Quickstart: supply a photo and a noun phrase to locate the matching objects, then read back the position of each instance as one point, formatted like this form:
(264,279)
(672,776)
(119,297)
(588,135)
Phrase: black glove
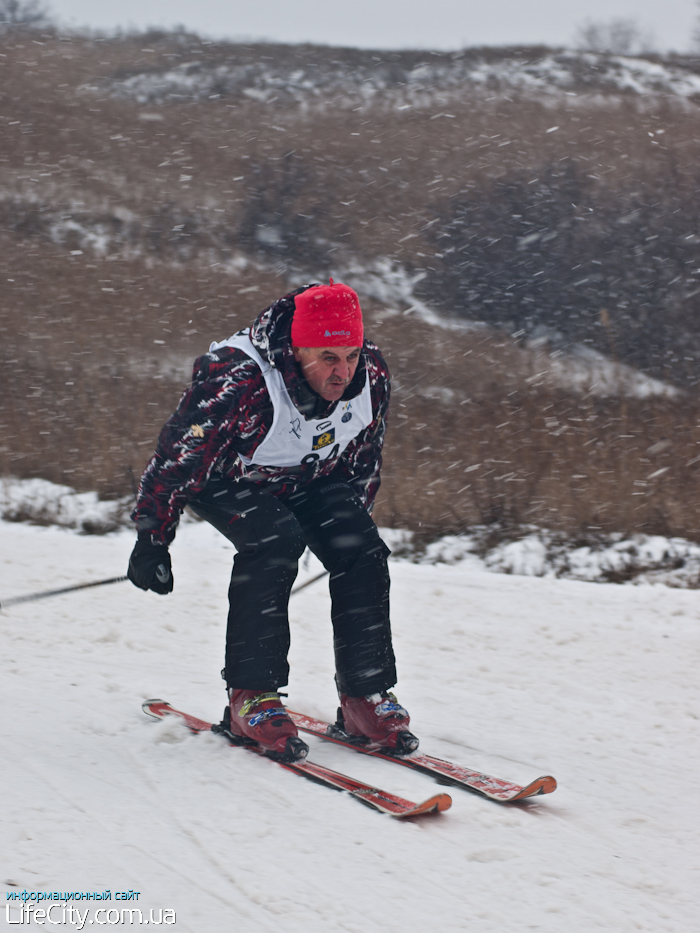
(150,567)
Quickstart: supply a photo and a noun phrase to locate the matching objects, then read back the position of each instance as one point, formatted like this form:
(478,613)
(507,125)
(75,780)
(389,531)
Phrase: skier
(277,443)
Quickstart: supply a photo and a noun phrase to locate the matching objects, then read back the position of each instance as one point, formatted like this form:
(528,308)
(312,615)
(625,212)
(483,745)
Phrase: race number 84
(312,458)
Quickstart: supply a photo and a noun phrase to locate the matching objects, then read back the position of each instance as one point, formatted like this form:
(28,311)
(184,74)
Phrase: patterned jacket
(227,411)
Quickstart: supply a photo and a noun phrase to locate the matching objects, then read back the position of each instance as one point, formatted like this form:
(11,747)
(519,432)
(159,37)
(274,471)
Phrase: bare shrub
(22,14)
(618,36)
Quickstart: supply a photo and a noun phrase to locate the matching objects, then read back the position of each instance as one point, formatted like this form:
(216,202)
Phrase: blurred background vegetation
(523,227)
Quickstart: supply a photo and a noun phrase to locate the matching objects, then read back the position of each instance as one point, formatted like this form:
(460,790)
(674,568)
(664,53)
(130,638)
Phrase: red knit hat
(327,316)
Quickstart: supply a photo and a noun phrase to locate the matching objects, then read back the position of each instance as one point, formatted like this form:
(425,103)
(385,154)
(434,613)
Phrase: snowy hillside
(517,676)
(521,225)
(407,79)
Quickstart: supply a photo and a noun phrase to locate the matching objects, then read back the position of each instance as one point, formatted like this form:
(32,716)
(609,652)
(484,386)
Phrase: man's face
(328,370)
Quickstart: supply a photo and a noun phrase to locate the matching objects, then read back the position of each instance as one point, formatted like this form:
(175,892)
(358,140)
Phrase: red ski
(444,771)
(371,796)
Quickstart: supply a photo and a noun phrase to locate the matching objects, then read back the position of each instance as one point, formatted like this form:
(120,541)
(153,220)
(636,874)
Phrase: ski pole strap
(65,589)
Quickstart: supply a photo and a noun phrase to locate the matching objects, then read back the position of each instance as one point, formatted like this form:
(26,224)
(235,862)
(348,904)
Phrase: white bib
(292,440)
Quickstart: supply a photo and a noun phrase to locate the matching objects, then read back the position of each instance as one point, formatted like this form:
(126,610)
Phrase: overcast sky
(438,24)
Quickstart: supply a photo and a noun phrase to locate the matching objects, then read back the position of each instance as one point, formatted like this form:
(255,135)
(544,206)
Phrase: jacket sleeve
(205,430)
(361,462)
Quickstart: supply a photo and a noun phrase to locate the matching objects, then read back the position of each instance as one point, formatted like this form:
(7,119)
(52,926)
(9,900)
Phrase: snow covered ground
(45,503)
(518,676)
(532,551)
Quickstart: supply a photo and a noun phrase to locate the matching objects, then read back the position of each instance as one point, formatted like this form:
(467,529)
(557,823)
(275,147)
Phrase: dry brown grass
(509,451)
(564,462)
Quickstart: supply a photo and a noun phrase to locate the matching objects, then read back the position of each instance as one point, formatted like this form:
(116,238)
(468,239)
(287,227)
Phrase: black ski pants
(270,537)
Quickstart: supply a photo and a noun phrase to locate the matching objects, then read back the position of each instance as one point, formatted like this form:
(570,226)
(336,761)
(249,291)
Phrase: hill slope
(157,191)
(593,683)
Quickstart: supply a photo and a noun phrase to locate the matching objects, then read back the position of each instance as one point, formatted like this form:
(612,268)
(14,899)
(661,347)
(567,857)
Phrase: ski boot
(259,718)
(379,720)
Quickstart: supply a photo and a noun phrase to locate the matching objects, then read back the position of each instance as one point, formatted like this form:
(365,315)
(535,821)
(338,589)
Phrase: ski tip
(542,785)
(155,707)
(437,804)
